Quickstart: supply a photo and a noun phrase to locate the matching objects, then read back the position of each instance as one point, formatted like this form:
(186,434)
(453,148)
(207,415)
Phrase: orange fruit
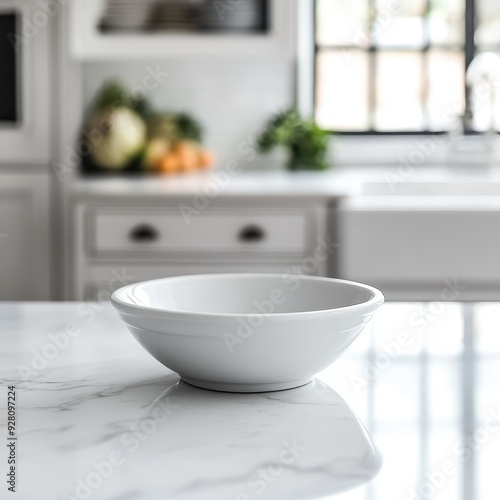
(170,163)
(206,159)
(156,150)
(187,152)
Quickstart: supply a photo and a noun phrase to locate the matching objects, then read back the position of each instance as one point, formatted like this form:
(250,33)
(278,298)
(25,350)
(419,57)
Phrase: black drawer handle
(251,234)
(143,233)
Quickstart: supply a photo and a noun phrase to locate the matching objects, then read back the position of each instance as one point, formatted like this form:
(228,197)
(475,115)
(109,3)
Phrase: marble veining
(99,418)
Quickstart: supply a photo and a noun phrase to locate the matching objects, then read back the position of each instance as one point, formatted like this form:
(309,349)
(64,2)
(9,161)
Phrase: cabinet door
(415,255)
(24,237)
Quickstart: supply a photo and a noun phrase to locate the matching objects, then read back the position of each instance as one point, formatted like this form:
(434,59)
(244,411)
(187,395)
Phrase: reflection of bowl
(333,451)
(246,332)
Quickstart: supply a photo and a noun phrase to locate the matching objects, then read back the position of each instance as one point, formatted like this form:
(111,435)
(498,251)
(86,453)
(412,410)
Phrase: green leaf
(189,127)
(306,142)
(113,94)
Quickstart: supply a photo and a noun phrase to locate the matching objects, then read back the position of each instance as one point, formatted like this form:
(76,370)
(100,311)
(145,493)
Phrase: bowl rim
(375,301)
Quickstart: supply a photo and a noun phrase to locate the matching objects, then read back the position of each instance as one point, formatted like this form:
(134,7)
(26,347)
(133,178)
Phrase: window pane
(399,91)
(413,80)
(399,24)
(446,21)
(342,90)
(342,22)
(446,88)
(487,22)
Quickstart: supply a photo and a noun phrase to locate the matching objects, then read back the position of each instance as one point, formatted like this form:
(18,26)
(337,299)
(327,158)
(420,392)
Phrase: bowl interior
(245,294)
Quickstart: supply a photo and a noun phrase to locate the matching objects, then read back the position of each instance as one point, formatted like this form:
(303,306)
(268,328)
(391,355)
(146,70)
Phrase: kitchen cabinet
(434,240)
(87,42)
(25,258)
(133,230)
(423,254)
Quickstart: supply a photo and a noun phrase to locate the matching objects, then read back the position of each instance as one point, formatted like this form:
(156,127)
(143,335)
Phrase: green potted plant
(307,144)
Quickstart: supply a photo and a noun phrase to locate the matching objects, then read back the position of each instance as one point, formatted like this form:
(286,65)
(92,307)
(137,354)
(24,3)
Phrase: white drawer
(153,231)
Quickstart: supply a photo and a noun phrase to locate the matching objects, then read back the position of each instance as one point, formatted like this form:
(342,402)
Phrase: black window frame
(468,48)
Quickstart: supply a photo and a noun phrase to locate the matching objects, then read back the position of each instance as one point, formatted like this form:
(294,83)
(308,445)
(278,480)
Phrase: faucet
(482,80)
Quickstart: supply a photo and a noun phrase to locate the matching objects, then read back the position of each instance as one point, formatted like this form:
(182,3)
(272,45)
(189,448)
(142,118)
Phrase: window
(398,66)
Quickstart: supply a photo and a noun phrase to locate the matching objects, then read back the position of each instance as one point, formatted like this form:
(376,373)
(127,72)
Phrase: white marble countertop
(98,418)
(220,183)
(423,378)
(356,188)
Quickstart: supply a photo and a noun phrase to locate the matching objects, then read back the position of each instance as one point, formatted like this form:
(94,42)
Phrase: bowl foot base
(228,387)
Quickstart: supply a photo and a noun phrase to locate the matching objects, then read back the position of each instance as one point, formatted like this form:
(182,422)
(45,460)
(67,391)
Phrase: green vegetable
(175,127)
(122,137)
(125,124)
(188,127)
(113,95)
(307,143)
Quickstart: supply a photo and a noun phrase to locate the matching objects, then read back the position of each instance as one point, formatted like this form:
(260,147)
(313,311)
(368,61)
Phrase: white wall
(232,98)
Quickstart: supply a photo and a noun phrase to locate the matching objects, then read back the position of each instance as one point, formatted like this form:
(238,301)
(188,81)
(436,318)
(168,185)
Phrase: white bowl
(246,332)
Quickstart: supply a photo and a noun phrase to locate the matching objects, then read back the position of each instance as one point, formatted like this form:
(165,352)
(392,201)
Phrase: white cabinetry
(88,43)
(24,237)
(423,254)
(120,238)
